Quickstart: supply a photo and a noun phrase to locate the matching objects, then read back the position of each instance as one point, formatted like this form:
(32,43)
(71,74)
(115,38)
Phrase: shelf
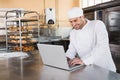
(2,28)
(3,16)
(2,41)
(23,43)
(2,38)
(2,49)
(25,25)
(16,39)
(24,48)
(17,33)
(22,37)
(22,20)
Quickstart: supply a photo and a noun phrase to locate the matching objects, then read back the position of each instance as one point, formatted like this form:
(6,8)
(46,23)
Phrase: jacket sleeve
(100,42)
(71,52)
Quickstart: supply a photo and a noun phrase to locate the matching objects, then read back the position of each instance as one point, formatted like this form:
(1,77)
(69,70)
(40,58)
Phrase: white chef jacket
(92,45)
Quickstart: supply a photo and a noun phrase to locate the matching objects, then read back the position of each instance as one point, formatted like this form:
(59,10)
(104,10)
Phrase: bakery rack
(22,30)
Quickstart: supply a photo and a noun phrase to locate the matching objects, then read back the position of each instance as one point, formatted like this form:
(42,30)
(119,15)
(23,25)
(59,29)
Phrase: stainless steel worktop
(33,69)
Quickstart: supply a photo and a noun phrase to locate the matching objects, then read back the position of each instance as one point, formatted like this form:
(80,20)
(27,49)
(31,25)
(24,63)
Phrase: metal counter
(18,69)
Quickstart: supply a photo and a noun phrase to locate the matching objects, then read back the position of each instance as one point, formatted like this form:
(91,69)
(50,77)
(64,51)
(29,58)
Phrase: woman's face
(77,22)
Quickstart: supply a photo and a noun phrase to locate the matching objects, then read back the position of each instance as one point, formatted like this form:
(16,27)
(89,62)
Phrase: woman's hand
(75,61)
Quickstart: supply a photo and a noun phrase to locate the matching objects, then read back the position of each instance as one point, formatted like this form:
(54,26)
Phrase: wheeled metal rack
(22,30)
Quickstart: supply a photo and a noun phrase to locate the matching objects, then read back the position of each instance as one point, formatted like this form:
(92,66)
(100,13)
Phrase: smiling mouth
(76,28)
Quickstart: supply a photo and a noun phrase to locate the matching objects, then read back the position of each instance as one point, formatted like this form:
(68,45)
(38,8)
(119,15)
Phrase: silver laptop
(54,55)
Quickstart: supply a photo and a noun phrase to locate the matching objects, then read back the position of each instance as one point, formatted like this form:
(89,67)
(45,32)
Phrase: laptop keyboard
(74,66)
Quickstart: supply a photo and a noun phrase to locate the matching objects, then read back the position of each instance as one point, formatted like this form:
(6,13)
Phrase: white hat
(75,12)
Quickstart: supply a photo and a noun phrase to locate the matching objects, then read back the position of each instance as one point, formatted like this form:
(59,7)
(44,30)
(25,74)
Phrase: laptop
(54,55)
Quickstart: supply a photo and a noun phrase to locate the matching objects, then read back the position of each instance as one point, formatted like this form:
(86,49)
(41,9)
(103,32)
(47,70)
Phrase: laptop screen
(53,55)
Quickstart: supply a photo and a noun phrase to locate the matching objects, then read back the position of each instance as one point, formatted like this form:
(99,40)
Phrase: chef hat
(75,12)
